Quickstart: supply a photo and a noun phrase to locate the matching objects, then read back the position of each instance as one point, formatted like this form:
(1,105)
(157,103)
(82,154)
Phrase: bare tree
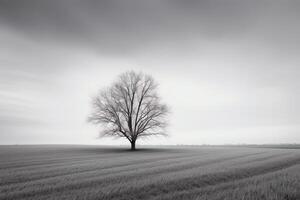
(130,108)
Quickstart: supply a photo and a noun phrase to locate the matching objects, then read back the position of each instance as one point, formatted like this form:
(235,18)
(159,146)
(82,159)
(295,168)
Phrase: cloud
(224,64)
(124,26)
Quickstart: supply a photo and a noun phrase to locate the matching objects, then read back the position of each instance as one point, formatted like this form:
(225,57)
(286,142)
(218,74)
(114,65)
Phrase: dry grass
(91,172)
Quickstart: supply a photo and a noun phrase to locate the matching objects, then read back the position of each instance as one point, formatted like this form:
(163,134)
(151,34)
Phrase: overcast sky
(229,69)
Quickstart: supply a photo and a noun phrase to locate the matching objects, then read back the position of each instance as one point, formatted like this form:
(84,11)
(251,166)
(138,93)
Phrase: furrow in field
(96,174)
(267,183)
(165,187)
(33,163)
(82,168)
(111,180)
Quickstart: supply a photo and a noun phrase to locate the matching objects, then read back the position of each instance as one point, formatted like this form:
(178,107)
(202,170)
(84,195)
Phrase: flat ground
(95,172)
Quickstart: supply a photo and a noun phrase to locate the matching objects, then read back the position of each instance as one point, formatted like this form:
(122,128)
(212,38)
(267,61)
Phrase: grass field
(94,172)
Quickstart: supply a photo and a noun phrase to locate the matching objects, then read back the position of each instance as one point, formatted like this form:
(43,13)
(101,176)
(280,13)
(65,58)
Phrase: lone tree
(130,108)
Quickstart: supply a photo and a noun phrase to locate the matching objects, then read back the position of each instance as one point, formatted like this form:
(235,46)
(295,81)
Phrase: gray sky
(229,69)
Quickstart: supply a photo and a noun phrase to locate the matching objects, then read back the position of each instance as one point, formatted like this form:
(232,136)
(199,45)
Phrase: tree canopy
(130,108)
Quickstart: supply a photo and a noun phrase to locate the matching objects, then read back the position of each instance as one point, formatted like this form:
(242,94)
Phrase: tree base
(133,147)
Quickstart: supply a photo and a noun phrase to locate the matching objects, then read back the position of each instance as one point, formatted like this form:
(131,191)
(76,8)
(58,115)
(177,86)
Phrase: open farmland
(94,172)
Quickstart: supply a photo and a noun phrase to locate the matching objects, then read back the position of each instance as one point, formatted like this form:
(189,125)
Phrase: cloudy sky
(229,69)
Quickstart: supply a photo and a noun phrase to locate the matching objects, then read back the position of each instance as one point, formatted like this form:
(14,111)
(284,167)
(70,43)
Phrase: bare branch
(130,108)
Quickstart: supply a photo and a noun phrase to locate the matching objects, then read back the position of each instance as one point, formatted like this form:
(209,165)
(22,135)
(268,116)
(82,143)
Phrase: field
(97,172)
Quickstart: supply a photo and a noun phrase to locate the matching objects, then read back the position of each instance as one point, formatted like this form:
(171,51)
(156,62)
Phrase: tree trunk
(132,145)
